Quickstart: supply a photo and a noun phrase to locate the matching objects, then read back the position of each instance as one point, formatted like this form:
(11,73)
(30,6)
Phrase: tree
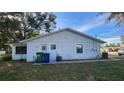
(117,16)
(118,44)
(15,26)
(107,45)
(111,45)
(9,23)
(122,39)
(37,22)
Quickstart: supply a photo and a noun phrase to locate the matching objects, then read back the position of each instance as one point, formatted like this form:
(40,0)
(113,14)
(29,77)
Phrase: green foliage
(16,26)
(5,58)
(112,45)
(117,16)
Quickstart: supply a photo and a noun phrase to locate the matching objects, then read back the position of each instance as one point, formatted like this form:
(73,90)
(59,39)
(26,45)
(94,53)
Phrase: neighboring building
(67,43)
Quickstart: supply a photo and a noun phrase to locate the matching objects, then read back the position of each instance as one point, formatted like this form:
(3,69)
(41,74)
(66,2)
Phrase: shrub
(5,58)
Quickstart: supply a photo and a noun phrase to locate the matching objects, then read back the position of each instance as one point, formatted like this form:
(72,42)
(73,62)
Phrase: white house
(2,52)
(67,43)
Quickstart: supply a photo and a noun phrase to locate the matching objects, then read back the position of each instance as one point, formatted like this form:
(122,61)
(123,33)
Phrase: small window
(79,48)
(53,47)
(21,50)
(44,47)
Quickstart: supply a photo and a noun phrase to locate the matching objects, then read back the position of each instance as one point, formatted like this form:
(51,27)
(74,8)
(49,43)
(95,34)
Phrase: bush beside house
(5,58)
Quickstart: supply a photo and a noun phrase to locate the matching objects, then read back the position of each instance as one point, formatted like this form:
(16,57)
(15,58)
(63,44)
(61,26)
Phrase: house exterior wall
(65,46)
(2,52)
(17,56)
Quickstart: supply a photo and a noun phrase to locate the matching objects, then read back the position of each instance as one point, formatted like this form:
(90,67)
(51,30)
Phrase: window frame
(53,48)
(43,46)
(81,50)
(20,50)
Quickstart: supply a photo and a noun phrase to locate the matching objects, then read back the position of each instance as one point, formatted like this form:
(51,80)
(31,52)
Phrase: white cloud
(112,39)
(108,33)
(94,23)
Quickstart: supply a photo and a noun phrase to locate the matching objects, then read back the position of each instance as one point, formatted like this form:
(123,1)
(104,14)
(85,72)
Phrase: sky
(90,23)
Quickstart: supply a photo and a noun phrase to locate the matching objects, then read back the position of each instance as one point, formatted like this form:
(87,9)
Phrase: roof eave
(69,29)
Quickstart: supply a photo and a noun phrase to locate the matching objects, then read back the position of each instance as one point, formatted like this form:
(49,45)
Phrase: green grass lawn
(79,71)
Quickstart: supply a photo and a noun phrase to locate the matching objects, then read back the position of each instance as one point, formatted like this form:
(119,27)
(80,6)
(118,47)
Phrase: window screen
(21,50)
(53,47)
(44,47)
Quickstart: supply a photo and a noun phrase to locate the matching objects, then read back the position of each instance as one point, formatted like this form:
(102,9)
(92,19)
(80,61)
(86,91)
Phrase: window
(53,47)
(21,50)
(79,48)
(44,47)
